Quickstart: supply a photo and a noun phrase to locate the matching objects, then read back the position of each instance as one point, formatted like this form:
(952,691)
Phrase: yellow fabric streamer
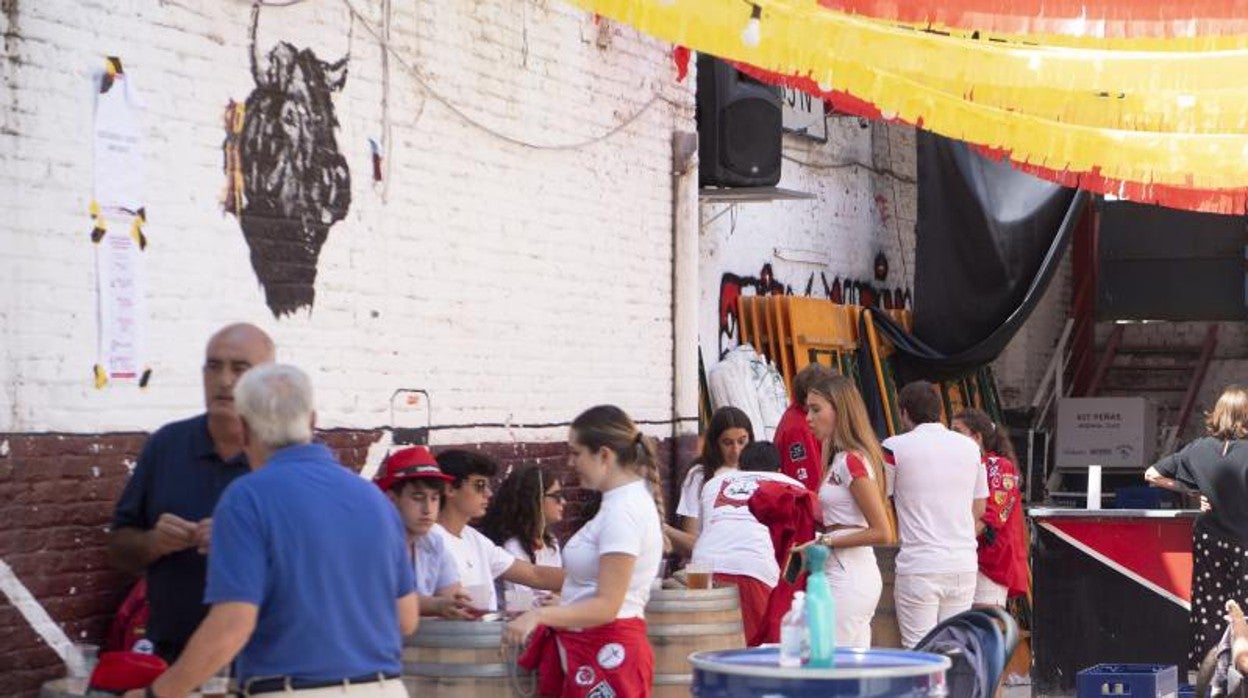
(1042,104)
(1210,112)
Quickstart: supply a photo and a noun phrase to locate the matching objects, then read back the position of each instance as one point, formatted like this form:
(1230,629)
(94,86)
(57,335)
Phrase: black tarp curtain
(988,241)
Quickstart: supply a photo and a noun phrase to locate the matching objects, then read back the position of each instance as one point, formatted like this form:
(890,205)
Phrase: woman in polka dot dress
(1216,466)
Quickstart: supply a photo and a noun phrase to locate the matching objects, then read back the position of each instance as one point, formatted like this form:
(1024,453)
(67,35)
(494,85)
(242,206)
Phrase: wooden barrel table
(884,630)
(680,622)
(60,688)
(446,658)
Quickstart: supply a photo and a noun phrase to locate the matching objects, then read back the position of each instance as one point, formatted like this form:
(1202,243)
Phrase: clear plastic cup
(519,600)
(81,661)
(481,595)
(698,575)
(217,685)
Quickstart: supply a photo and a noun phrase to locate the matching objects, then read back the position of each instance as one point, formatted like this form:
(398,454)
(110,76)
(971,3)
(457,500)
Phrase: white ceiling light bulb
(753,31)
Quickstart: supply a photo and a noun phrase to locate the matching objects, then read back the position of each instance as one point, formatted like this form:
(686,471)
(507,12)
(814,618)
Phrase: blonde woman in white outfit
(851,497)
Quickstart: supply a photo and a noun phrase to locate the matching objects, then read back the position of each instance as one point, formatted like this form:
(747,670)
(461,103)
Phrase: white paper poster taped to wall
(123,316)
(119,214)
(118,143)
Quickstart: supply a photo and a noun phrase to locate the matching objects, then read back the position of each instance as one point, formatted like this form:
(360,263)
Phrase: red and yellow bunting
(1165,116)
(1094,19)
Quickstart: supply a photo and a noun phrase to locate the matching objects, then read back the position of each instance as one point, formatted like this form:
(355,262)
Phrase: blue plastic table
(876,673)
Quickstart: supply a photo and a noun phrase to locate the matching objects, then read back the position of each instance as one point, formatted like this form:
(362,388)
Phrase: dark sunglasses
(557,496)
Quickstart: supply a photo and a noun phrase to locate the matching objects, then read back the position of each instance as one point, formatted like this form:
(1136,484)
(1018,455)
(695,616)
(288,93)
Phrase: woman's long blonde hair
(851,430)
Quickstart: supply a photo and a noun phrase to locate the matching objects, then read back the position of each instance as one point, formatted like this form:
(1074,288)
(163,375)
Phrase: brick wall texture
(56,497)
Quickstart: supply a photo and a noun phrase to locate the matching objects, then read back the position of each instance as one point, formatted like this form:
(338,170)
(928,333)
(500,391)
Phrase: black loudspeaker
(739,127)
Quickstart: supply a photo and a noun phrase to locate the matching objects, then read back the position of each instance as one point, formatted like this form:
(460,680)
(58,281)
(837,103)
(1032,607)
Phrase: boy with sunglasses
(480,560)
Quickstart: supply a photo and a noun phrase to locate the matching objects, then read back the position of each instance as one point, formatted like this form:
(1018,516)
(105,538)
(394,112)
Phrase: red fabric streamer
(1097,18)
(680,56)
(1222,201)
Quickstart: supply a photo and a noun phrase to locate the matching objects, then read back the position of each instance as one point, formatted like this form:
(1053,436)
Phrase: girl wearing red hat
(594,642)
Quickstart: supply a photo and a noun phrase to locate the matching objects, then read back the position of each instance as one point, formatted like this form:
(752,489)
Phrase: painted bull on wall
(295,182)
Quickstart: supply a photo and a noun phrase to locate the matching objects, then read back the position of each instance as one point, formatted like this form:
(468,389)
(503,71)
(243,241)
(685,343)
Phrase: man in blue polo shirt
(162,522)
(309,574)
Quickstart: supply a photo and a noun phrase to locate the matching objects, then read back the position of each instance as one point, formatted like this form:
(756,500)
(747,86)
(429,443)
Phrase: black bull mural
(295,182)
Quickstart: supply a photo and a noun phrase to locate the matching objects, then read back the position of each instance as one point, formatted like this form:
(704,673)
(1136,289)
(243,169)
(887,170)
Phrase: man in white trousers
(940,489)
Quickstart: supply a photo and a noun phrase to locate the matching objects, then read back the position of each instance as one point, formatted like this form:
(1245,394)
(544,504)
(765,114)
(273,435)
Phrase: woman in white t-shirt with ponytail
(851,497)
(594,642)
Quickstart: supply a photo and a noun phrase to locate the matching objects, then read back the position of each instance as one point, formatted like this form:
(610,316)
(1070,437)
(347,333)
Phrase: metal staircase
(1171,376)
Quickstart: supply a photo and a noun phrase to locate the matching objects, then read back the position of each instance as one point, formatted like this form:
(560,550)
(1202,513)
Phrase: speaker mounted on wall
(739,127)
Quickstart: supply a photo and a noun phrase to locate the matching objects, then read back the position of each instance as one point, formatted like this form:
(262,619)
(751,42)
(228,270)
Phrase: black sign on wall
(1164,264)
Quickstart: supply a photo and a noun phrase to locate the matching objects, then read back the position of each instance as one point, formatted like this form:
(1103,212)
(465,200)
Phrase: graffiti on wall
(292,183)
(849,291)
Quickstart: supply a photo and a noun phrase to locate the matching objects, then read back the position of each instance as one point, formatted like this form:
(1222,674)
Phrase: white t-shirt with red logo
(836,501)
(732,541)
(934,476)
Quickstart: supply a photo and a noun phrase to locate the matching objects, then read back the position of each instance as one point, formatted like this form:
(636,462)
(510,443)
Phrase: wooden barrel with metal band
(680,622)
(446,658)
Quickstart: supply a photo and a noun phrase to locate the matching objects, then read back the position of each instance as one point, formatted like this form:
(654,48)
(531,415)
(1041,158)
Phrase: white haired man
(308,576)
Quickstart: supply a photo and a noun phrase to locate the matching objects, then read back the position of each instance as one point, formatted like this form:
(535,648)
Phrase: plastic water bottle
(820,610)
(793,632)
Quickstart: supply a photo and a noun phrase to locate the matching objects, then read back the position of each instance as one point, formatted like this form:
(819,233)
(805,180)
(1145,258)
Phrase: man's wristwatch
(826,540)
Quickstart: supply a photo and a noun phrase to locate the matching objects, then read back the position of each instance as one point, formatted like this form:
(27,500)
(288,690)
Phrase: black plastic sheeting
(989,240)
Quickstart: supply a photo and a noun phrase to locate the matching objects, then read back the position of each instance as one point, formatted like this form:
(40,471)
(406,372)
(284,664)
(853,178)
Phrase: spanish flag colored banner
(1151,105)
(1063,20)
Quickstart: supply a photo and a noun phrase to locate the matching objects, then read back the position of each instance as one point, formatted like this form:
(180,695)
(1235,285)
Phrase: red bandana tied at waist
(613,660)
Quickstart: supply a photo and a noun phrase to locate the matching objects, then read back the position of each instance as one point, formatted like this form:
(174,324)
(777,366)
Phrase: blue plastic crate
(1143,497)
(1187,691)
(1134,680)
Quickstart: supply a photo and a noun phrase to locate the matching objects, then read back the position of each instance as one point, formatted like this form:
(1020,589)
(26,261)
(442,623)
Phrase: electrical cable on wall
(883,172)
(445,102)
(387,139)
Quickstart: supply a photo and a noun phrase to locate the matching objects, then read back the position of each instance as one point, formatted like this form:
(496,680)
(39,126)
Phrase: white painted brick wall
(515,284)
(1022,365)
(856,214)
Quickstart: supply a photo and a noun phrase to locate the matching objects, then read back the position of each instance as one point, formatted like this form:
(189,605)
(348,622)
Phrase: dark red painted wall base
(56,500)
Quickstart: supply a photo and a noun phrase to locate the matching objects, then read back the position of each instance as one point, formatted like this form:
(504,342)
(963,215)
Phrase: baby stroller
(1217,677)
(979,642)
